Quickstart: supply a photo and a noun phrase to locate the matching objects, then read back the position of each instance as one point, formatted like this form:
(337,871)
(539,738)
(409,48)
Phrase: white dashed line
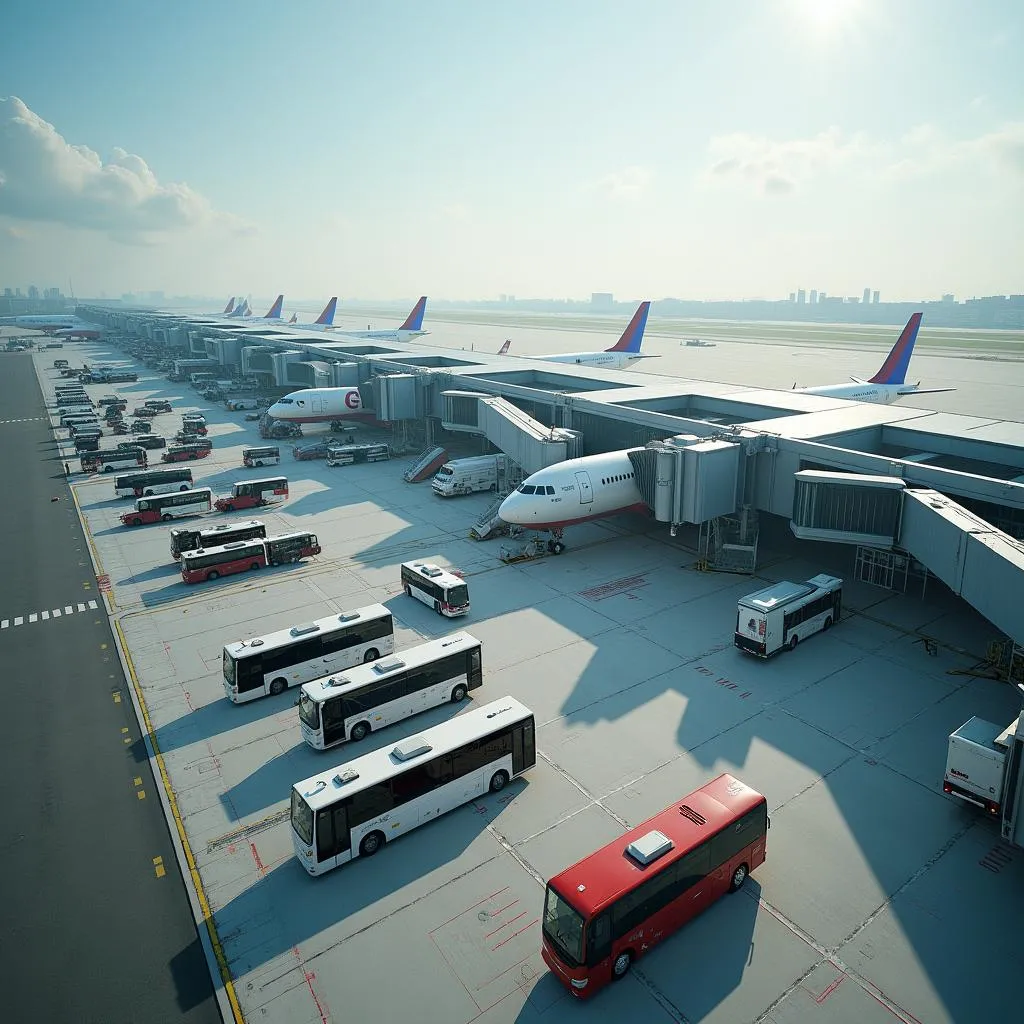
(44,616)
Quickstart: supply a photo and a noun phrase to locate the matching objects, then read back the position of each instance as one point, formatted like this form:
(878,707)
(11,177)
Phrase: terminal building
(916,494)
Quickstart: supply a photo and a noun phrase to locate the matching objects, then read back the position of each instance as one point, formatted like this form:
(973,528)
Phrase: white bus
(288,657)
(347,454)
(169,506)
(445,592)
(782,615)
(153,481)
(366,698)
(353,810)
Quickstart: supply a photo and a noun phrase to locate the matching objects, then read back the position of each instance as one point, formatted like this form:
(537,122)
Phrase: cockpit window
(550,489)
(285,401)
(300,402)
(527,489)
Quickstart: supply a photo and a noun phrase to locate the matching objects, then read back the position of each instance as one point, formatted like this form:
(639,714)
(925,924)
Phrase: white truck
(235,403)
(976,764)
(466,476)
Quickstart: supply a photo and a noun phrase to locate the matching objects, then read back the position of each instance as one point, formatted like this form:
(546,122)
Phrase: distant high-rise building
(8,294)
(875,295)
(17,293)
(855,299)
(33,292)
(866,298)
(801,297)
(822,296)
(949,297)
(814,296)
(792,296)
(602,300)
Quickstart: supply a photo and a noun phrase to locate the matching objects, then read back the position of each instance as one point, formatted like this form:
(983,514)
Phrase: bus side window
(599,939)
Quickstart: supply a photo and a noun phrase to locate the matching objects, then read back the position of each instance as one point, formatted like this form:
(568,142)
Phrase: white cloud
(777,168)
(44,178)
(625,183)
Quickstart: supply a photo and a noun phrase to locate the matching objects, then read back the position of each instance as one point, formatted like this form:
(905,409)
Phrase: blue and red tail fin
(326,318)
(274,313)
(503,351)
(229,307)
(633,336)
(894,369)
(414,321)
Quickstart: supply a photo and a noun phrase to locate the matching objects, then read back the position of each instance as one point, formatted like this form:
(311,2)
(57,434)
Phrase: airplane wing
(926,391)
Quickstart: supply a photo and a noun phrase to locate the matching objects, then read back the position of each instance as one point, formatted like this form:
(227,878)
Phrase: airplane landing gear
(556,545)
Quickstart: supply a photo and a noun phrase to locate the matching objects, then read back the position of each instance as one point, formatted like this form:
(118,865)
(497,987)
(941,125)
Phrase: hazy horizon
(666,149)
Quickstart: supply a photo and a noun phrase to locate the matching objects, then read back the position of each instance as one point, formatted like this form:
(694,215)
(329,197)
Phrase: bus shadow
(300,907)
(250,579)
(106,502)
(156,573)
(270,783)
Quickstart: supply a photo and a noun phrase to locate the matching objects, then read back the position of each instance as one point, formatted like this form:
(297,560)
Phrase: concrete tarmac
(96,924)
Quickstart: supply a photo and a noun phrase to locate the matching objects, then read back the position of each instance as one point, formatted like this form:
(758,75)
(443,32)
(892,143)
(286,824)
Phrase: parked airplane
(244,313)
(228,309)
(889,383)
(503,351)
(625,351)
(318,405)
(324,322)
(575,491)
(56,325)
(241,310)
(412,328)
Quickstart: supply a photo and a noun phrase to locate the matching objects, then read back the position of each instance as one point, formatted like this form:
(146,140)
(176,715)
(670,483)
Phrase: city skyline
(669,150)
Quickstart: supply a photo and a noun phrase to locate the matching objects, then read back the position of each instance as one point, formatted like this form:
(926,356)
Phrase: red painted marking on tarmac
(188,701)
(260,866)
(468,909)
(310,977)
(511,920)
(536,920)
(835,984)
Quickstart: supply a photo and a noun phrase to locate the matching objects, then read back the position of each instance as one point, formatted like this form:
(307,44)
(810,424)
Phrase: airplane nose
(508,510)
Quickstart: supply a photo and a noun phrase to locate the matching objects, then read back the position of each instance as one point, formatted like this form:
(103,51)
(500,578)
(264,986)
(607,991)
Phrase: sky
(546,148)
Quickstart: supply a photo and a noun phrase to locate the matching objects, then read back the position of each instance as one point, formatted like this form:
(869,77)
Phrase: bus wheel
(739,876)
(793,641)
(371,655)
(437,607)
(360,731)
(371,844)
(136,521)
(458,694)
(167,517)
(408,590)
(108,469)
(183,487)
(828,624)
(498,781)
(213,575)
(255,565)
(277,686)
(621,965)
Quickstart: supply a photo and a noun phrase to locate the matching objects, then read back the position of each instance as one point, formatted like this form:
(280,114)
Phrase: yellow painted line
(116,696)
(97,564)
(141,794)
(204,903)
(138,780)
(103,647)
(158,867)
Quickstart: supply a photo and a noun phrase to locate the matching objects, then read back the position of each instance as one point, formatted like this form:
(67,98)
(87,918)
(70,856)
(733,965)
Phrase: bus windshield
(458,596)
(563,927)
(302,818)
(229,667)
(309,711)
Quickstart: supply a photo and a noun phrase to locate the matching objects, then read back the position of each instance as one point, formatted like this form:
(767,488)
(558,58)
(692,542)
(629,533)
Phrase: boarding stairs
(490,524)
(425,465)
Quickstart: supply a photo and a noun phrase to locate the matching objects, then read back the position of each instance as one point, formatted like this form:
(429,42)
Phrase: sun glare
(826,16)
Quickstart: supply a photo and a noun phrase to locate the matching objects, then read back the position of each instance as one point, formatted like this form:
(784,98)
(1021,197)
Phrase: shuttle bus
(108,461)
(366,698)
(608,909)
(267,455)
(184,538)
(288,657)
(183,452)
(347,454)
(153,481)
(253,494)
(445,592)
(169,506)
(353,810)
(241,555)
(782,615)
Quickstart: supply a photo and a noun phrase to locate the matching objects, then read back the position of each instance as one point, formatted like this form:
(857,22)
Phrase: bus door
(332,719)
(333,842)
(586,491)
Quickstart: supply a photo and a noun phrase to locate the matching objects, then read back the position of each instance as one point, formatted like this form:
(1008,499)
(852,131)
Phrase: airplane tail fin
(294,319)
(503,351)
(414,321)
(633,336)
(230,306)
(326,318)
(894,369)
(274,313)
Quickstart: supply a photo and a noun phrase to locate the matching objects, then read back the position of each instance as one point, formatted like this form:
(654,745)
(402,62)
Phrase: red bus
(181,452)
(242,555)
(611,907)
(254,493)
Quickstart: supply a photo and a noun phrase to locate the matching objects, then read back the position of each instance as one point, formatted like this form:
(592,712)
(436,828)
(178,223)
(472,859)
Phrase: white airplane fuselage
(882,394)
(318,405)
(613,360)
(575,491)
(396,335)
